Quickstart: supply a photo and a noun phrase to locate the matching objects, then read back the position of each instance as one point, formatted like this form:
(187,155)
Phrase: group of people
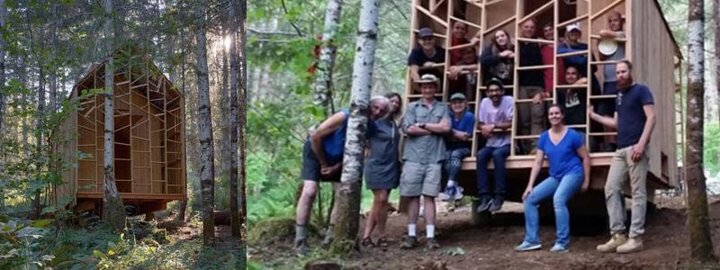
(438,138)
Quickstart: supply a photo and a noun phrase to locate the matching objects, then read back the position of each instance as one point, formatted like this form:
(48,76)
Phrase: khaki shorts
(420,179)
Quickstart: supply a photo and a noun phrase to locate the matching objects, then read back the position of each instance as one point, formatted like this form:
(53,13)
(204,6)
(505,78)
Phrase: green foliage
(22,244)
(711,147)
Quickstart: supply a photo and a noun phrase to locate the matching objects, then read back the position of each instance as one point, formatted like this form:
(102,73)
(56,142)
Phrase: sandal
(367,243)
(382,242)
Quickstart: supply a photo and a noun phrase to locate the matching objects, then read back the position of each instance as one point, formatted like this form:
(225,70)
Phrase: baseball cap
(457,96)
(427,78)
(425,32)
(573,27)
(495,81)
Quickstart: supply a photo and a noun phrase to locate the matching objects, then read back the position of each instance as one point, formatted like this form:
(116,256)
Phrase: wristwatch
(422,125)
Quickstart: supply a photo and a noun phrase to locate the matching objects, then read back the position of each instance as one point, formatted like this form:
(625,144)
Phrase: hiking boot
(485,202)
(409,242)
(526,246)
(301,247)
(557,248)
(431,244)
(633,244)
(614,242)
(496,204)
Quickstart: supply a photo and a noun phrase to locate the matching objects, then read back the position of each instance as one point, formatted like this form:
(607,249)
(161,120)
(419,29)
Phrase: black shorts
(311,166)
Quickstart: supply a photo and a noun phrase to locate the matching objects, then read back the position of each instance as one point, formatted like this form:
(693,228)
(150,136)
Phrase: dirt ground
(465,246)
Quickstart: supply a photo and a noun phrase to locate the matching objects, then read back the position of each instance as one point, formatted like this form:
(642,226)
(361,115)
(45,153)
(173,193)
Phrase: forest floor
(465,246)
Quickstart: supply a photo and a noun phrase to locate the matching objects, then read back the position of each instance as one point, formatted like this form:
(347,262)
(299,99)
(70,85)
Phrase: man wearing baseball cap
(426,121)
(458,145)
(425,55)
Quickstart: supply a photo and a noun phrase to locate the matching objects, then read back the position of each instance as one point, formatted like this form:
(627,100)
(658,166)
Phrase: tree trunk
(323,79)
(701,248)
(3,13)
(183,202)
(113,209)
(233,149)
(243,88)
(348,195)
(39,137)
(716,20)
(207,167)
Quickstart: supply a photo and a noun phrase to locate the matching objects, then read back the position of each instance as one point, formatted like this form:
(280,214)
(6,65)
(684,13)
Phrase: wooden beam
(583,52)
(466,22)
(499,25)
(432,16)
(606,9)
(537,11)
(535,40)
(574,20)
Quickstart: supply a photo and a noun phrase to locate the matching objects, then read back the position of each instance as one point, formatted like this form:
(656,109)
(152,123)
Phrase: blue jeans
(499,155)
(453,163)
(561,191)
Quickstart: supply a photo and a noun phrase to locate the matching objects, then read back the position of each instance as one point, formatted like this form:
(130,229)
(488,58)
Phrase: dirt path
(465,246)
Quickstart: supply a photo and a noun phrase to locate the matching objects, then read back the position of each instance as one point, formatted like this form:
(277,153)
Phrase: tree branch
(291,22)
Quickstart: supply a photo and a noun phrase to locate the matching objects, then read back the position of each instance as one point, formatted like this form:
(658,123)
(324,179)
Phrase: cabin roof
(130,50)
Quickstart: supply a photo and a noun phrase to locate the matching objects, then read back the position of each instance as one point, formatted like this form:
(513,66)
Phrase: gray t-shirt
(426,149)
(609,70)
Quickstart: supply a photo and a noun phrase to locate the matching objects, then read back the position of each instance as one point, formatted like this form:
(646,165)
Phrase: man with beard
(495,118)
(634,121)
(426,121)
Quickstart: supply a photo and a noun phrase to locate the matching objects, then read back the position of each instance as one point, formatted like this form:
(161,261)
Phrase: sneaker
(301,247)
(633,244)
(458,193)
(409,242)
(431,243)
(496,204)
(614,242)
(449,193)
(485,202)
(557,248)
(525,246)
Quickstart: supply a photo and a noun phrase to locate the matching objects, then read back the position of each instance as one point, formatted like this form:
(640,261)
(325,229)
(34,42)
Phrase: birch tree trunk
(323,79)
(348,195)
(207,167)
(3,13)
(113,209)
(716,20)
(701,248)
(233,54)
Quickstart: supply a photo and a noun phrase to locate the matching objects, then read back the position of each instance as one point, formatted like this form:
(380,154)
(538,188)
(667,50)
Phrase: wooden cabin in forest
(649,44)
(149,138)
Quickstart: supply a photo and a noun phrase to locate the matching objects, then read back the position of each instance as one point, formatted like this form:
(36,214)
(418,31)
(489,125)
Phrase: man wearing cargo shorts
(426,122)
(634,120)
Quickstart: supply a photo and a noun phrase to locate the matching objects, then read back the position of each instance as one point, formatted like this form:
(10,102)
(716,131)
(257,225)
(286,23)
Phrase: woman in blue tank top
(569,172)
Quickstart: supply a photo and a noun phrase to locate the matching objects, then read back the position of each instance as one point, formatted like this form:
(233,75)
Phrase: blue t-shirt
(334,144)
(630,114)
(466,123)
(563,157)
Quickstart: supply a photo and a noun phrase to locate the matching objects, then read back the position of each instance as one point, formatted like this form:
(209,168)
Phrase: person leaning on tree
(634,120)
(322,161)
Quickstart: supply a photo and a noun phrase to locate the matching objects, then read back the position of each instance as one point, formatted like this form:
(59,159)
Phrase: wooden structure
(649,45)
(149,138)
